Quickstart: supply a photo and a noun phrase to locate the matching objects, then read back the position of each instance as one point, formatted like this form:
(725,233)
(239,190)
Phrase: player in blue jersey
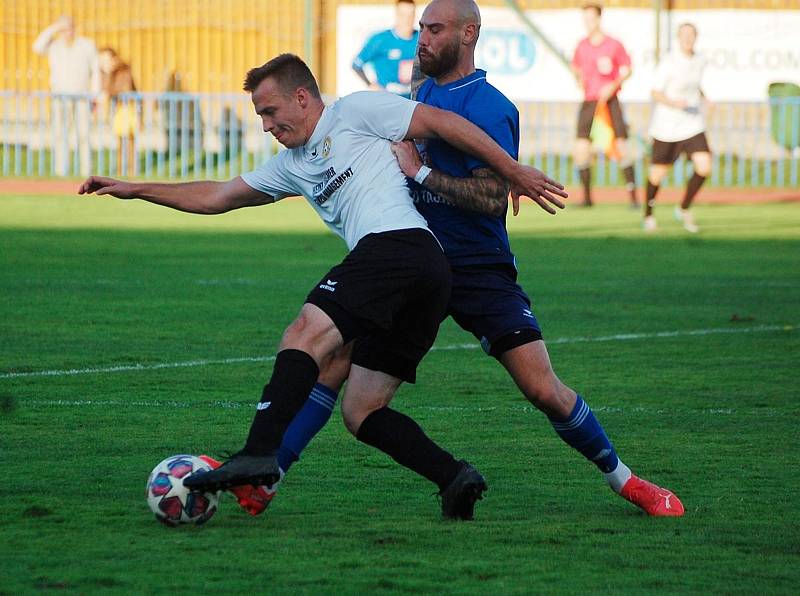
(465,204)
(391,53)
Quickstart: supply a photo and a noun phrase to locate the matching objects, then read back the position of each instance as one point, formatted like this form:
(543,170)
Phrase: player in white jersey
(678,125)
(385,301)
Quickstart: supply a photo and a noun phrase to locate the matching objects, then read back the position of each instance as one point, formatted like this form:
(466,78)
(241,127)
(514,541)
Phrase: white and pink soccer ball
(171,502)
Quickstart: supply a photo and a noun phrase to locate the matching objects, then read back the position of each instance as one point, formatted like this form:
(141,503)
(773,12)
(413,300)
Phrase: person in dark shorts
(601,65)
(388,295)
(678,126)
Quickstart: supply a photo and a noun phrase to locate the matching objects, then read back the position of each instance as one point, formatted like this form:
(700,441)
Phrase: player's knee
(313,334)
(656,174)
(582,153)
(551,397)
(541,395)
(702,165)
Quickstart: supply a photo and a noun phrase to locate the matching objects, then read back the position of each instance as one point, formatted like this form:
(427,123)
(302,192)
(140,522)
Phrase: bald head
(461,12)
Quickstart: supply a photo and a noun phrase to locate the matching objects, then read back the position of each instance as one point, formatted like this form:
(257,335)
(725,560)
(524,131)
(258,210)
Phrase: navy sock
(314,414)
(583,432)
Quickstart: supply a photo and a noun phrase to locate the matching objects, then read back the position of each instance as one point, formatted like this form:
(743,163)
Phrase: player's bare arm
(610,89)
(484,192)
(430,122)
(661,97)
(203,197)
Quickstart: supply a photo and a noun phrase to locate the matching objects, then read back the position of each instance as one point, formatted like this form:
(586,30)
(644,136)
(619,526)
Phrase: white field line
(471,346)
(233,405)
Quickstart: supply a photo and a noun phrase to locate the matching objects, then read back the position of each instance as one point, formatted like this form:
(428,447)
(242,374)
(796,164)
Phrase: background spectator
(73,70)
(116,78)
(391,53)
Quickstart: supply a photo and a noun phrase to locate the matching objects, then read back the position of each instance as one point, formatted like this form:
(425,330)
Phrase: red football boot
(252,499)
(653,499)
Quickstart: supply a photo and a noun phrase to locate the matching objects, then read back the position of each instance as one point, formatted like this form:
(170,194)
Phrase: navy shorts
(487,301)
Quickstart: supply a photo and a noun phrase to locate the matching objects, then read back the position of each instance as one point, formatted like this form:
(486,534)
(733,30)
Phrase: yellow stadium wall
(210,44)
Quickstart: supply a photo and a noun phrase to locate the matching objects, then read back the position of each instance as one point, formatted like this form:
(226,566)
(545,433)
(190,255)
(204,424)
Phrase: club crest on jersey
(326,147)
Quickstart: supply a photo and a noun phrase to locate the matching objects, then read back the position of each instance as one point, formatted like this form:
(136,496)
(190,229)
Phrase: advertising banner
(746,49)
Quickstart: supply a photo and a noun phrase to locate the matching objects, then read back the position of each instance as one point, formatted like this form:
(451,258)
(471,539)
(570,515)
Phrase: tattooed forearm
(484,192)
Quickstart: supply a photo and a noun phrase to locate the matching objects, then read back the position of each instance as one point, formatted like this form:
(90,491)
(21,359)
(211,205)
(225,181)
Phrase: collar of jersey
(320,130)
(467,80)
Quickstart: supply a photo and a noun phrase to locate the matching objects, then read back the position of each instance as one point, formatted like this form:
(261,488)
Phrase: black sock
(399,437)
(293,377)
(586,180)
(630,182)
(694,184)
(652,190)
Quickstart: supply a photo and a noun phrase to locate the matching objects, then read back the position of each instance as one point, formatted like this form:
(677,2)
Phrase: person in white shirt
(385,301)
(74,72)
(678,125)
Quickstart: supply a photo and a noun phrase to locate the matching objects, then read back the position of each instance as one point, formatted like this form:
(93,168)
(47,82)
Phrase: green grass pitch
(710,410)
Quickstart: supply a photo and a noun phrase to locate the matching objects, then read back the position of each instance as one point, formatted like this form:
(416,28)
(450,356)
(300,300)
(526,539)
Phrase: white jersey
(73,67)
(679,76)
(346,170)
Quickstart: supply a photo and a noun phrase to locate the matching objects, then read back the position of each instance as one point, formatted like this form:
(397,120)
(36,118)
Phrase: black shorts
(665,153)
(586,117)
(389,295)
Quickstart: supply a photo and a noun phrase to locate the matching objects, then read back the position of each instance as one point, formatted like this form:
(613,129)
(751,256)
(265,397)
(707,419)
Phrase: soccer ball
(170,501)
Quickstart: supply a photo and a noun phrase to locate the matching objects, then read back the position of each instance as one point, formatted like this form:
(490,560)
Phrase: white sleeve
(378,113)
(272,178)
(662,75)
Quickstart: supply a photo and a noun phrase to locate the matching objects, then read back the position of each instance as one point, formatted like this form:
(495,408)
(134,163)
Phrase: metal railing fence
(215,135)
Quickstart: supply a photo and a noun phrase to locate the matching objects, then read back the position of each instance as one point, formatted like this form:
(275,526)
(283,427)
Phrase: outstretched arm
(484,192)
(46,37)
(363,76)
(429,122)
(206,197)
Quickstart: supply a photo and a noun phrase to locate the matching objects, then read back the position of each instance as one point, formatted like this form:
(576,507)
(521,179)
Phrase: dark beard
(436,66)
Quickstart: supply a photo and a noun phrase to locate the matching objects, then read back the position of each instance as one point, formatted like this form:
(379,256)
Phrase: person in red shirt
(601,65)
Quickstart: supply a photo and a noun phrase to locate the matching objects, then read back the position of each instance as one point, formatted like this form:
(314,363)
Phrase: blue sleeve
(369,52)
(500,120)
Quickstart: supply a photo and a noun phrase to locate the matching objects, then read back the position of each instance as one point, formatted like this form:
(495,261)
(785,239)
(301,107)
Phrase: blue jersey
(392,57)
(468,237)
